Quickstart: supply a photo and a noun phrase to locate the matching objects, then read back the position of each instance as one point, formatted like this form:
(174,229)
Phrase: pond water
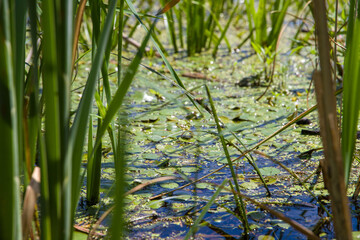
(168,137)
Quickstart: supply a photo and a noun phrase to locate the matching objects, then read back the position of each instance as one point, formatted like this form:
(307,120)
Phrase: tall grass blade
(225,30)
(240,204)
(277,19)
(78,129)
(18,38)
(120,93)
(250,13)
(52,119)
(118,221)
(10,227)
(65,33)
(189,29)
(117,227)
(351,104)
(195,226)
(179,16)
(169,18)
(260,23)
(168,65)
(32,86)
(94,160)
(36,138)
(252,163)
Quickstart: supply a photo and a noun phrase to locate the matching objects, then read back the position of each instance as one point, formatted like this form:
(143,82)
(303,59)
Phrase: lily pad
(266,237)
(171,185)
(224,119)
(155,204)
(154,138)
(189,169)
(269,180)
(149,119)
(150,156)
(249,185)
(204,186)
(256,215)
(283,225)
(269,171)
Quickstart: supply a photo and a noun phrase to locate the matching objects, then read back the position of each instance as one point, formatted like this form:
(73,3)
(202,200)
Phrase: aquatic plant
(351,85)
(38,120)
(333,170)
(57,141)
(201,20)
(263,42)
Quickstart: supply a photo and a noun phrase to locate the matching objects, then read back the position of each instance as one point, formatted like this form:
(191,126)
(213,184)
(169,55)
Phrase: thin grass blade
(225,30)
(78,129)
(241,204)
(118,98)
(195,226)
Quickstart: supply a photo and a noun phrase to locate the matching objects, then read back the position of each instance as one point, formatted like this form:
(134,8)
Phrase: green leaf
(266,237)
(269,171)
(351,104)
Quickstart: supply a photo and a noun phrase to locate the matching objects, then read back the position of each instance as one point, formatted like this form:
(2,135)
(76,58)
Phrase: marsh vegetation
(180,119)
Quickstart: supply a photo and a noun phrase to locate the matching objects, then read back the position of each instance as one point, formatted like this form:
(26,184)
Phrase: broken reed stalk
(325,87)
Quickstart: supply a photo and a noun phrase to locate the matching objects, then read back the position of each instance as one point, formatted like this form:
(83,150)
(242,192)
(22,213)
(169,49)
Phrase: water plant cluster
(179,119)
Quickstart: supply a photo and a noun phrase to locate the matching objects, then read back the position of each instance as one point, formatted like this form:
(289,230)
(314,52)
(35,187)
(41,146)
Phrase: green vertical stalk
(117,227)
(118,221)
(250,13)
(65,32)
(199,25)
(94,173)
(120,40)
(119,72)
(18,36)
(277,20)
(36,139)
(78,129)
(260,23)
(179,13)
(52,117)
(190,40)
(241,203)
(225,30)
(33,82)
(350,27)
(195,226)
(351,105)
(94,161)
(210,22)
(10,227)
(64,43)
(171,27)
